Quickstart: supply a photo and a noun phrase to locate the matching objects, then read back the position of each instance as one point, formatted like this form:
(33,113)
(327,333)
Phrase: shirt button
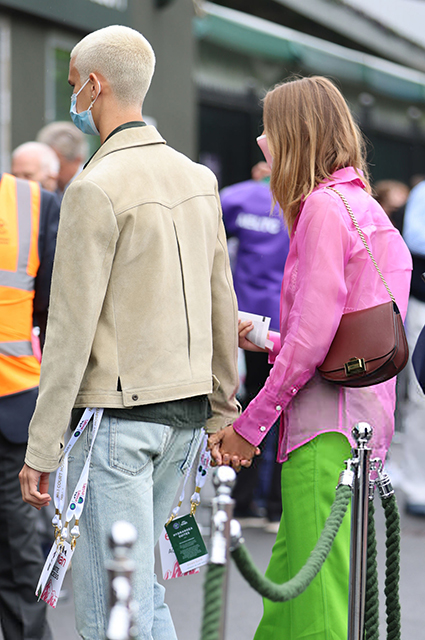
(278,407)
(134,397)
(293,390)
(262,428)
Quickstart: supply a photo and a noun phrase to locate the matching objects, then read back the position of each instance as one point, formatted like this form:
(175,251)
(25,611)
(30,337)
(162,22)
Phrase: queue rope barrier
(299,583)
(371,618)
(392,572)
(214,579)
(213,600)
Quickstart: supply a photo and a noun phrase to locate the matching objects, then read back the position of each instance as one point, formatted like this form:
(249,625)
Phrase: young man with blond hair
(143,318)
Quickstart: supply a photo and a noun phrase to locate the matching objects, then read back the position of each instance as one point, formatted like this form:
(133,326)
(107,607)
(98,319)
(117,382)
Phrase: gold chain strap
(356,224)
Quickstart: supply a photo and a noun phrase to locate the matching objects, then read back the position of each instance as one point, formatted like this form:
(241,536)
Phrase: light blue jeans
(135,472)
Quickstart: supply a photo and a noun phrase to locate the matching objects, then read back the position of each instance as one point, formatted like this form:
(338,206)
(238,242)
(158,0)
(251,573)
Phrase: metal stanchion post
(362,433)
(122,619)
(222,513)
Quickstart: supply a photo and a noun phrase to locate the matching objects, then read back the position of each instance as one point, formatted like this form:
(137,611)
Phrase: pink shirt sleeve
(274,337)
(323,246)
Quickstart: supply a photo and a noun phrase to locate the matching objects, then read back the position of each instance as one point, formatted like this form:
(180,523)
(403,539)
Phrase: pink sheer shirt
(328,272)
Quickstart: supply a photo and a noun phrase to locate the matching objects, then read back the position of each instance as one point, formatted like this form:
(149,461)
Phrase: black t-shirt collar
(122,127)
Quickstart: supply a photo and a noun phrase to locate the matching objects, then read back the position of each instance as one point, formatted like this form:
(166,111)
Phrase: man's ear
(94,85)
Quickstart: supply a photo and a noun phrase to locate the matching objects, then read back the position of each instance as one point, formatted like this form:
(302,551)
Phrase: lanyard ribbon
(76,504)
(201,476)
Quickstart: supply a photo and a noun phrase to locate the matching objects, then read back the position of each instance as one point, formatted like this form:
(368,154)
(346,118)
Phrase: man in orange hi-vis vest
(28,226)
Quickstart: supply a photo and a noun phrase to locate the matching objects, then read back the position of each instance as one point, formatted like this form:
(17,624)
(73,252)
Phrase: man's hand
(229,448)
(34,487)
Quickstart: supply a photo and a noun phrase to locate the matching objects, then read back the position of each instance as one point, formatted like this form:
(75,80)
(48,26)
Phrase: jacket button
(262,428)
(134,397)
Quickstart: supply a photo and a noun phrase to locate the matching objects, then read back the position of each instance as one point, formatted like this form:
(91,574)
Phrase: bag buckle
(355,366)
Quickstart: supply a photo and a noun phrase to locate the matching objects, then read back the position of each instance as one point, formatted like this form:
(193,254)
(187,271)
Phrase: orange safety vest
(19,263)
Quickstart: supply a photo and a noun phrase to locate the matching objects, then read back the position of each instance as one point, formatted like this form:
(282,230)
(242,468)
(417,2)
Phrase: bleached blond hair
(123,56)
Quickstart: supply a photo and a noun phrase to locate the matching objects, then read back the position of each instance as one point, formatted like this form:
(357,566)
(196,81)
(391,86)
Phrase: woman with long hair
(316,147)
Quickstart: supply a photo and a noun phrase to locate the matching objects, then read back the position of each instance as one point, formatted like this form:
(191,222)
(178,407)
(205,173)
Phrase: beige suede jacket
(142,306)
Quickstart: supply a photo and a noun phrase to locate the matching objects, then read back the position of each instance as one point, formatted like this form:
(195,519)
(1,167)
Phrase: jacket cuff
(274,337)
(221,420)
(41,462)
(257,419)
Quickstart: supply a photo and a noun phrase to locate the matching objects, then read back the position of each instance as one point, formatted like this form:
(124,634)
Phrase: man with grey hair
(70,146)
(36,161)
(143,323)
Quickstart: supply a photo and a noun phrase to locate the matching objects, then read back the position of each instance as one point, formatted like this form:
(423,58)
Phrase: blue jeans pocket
(191,450)
(131,446)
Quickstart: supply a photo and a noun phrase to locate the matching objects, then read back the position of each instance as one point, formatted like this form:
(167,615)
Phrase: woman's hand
(229,448)
(244,327)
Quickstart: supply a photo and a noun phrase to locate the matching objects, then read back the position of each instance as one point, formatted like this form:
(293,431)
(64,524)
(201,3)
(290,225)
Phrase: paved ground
(184,595)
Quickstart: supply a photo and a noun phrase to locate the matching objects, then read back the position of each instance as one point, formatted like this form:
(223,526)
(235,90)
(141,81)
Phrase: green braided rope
(213,601)
(372,592)
(300,582)
(392,574)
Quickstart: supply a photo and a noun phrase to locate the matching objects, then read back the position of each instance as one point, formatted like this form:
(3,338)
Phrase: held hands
(34,487)
(229,448)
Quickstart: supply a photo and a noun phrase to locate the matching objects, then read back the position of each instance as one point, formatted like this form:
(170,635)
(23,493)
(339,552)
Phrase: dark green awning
(243,33)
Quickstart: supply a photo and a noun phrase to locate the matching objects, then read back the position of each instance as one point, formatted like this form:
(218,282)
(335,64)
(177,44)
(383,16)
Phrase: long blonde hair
(311,133)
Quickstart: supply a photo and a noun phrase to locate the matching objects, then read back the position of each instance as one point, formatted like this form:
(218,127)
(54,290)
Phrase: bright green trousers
(309,479)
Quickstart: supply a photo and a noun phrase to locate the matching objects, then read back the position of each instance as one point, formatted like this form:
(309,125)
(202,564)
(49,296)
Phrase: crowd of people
(137,315)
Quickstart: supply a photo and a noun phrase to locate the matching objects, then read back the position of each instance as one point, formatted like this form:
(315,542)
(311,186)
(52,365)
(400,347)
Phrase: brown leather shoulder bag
(370,345)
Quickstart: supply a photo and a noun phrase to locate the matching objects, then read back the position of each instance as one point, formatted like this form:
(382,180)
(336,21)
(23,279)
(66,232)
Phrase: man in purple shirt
(262,246)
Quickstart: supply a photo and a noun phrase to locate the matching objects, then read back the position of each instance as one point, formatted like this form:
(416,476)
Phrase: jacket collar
(134,137)
(347,174)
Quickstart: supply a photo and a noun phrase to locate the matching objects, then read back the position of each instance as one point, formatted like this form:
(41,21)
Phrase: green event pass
(187,542)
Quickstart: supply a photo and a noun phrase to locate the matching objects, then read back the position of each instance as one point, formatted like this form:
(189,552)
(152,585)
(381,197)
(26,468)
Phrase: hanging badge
(169,563)
(187,543)
(47,569)
(192,552)
(51,589)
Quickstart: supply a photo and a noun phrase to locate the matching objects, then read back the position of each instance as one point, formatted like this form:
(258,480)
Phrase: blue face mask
(84,120)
